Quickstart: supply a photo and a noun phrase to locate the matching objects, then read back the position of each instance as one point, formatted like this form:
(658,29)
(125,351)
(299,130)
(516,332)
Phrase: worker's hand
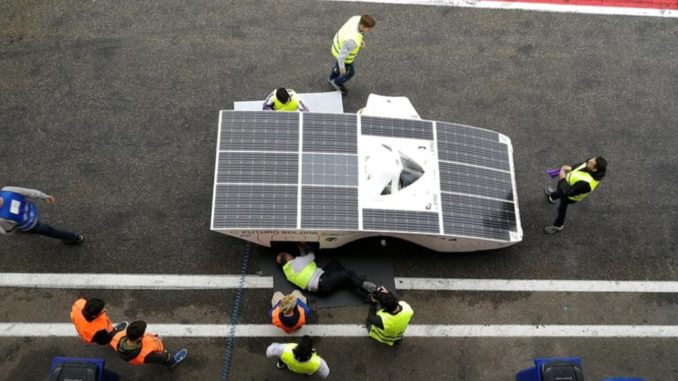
(562,174)
(566,168)
(342,70)
(50,200)
(373,300)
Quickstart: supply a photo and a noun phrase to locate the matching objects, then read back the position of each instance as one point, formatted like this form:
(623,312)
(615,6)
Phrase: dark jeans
(336,277)
(160,358)
(340,79)
(563,202)
(48,231)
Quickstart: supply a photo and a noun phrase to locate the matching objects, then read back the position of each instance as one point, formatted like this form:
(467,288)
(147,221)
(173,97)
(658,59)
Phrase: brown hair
(367,21)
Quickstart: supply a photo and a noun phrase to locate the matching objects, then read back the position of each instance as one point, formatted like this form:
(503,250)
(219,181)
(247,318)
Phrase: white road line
(356,330)
(540,7)
(131,281)
(534,285)
(220,282)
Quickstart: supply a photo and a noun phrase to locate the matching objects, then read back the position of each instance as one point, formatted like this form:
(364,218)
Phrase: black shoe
(343,89)
(549,191)
(280,365)
(78,239)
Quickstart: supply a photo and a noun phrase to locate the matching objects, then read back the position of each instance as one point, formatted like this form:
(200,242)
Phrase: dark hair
(367,21)
(601,164)
(93,307)
(282,95)
(280,258)
(136,329)
(304,350)
(389,302)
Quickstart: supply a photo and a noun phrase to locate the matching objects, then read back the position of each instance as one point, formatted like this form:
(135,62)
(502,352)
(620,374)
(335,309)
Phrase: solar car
(333,178)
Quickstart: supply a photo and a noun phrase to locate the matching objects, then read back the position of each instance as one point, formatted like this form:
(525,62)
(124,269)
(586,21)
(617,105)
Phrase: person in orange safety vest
(90,317)
(289,312)
(138,347)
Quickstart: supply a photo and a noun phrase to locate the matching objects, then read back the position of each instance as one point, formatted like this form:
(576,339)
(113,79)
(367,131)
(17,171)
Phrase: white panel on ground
(329,102)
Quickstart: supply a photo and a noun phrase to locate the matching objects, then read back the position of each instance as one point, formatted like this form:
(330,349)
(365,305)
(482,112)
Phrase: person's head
(389,302)
(596,164)
(304,350)
(93,307)
(366,23)
(288,303)
(136,330)
(282,95)
(283,258)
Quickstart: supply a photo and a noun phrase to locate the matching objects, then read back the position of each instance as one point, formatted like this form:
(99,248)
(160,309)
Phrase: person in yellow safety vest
(388,325)
(139,347)
(303,272)
(90,317)
(283,99)
(575,183)
(299,358)
(345,47)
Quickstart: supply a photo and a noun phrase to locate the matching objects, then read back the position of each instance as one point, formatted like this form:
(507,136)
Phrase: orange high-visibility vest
(149,343)
(87,329)
(276,319)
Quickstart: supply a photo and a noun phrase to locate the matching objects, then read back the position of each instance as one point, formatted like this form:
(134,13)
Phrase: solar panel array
(300,171)
(475,182)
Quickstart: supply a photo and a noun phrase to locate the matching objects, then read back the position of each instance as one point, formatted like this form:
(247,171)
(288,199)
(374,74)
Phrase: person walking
(345,47)
(284,99)
(289,312)
(575,183)
(90,317)
(388,324)
(303,272)
(19,212)
(139,347)
(299,358)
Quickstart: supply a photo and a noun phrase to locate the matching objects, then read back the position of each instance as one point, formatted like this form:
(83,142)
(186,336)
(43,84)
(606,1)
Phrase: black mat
(377,268)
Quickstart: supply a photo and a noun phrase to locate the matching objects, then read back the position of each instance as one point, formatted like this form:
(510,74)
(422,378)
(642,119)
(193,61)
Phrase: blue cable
(230,337)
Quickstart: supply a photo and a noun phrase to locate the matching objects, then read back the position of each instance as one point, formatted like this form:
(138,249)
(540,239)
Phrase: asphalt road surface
(112,108)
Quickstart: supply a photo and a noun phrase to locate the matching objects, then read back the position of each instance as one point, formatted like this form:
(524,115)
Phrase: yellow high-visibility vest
(580,174)
(394,325)
(307,367)
(292,105)
(348,32)
(301,278)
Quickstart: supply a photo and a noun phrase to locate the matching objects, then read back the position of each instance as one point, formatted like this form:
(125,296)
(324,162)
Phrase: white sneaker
(552,229)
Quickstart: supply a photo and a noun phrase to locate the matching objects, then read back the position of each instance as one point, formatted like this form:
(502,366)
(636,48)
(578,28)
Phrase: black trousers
(563,202)
(336,277)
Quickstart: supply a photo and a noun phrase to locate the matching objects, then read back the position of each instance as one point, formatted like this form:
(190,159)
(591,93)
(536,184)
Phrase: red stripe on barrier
(652,4)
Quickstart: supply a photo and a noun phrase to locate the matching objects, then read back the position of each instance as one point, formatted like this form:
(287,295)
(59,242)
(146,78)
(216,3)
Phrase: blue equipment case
(79,369)
(554,368)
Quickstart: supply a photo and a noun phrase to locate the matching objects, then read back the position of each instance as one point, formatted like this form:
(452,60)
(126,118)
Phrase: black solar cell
(329,208)
(330,133)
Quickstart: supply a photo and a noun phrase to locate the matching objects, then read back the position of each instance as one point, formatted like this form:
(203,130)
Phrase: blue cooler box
(551,369)
(79,369)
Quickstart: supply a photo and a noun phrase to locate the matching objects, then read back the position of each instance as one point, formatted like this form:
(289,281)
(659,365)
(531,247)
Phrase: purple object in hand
(554,172)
